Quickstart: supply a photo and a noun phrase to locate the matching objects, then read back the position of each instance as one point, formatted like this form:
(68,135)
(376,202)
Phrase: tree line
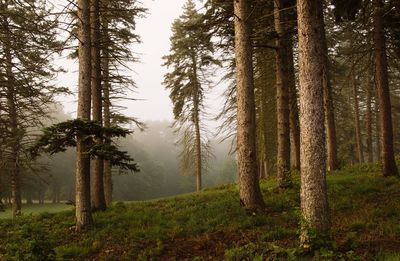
(293,101)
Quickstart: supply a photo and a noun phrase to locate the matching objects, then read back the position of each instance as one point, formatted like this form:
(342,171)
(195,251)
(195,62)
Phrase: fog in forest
(156,152)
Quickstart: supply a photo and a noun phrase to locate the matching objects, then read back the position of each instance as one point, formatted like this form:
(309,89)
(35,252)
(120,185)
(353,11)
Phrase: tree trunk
(377,127)
(198,144)
(312,75)
(389,167)
(82,183)
(330,125)
(369,117)
(97,164)
(29,200)
(249,187)
(108,186)
(293,109)
(282,96)
(360,155)
(13,125)
(196,122)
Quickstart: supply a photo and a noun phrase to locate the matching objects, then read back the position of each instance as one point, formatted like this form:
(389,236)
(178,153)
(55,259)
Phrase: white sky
(155,31)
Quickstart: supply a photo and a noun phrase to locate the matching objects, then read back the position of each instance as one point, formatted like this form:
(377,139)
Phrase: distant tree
(28,43)
(191,57)
(283,43)
(312,53)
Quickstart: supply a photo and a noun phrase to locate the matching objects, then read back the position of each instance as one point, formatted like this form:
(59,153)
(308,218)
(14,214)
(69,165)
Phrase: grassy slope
(211,225)
(35,209)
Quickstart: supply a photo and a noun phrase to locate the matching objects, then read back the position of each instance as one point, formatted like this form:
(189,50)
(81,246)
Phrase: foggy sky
(155,31)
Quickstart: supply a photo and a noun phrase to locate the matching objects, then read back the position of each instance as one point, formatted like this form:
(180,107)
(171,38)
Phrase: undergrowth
(211,225)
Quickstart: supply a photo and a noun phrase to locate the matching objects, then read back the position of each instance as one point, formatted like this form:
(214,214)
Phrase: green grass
(35,209)
(211,225)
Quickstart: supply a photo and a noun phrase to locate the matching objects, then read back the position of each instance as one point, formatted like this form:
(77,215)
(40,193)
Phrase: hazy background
(153,103)
(154,149)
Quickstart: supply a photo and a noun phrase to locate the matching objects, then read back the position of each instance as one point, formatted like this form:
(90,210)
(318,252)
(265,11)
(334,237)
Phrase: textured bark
(369,117)
(330,125)
(108,185)
(282,95)
(97,164)
(249,188)
(13,125)
(360,155)
(377,129)
(312,53)
(83,210)
(389,167)
(293,110)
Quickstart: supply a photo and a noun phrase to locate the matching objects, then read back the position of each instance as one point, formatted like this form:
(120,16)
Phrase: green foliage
(30,243)
(211,224)
(58,137)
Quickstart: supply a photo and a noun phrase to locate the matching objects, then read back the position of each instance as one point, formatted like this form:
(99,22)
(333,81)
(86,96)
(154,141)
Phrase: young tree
(312,53)
(190,57)
(249,188)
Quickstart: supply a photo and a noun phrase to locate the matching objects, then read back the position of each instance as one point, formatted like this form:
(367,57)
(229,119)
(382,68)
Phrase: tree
(83,210)
(389,167)
(312,53)
(97,164)
(190,57)
(118,24)
(27,45)
(249,188)
(283,43)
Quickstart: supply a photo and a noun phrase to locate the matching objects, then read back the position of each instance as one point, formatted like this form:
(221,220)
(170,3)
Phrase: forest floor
(34,209)
(211,225)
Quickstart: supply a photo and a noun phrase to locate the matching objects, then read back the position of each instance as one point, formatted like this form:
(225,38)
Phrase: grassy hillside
(34,209)
(210,225)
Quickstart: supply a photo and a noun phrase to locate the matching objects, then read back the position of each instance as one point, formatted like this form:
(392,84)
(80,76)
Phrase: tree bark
(83,209)
(389,167)
(377,127)
(108,185)
(312,75)
(369,117)
(293,110)
(330,124)
(282,96)
(249,188)
(360,155)
(97,164)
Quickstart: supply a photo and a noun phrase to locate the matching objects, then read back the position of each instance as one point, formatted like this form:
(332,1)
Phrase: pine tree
(117,35)
(249,187)
(191,57)
(28,43)
(83,210)
(313,191)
